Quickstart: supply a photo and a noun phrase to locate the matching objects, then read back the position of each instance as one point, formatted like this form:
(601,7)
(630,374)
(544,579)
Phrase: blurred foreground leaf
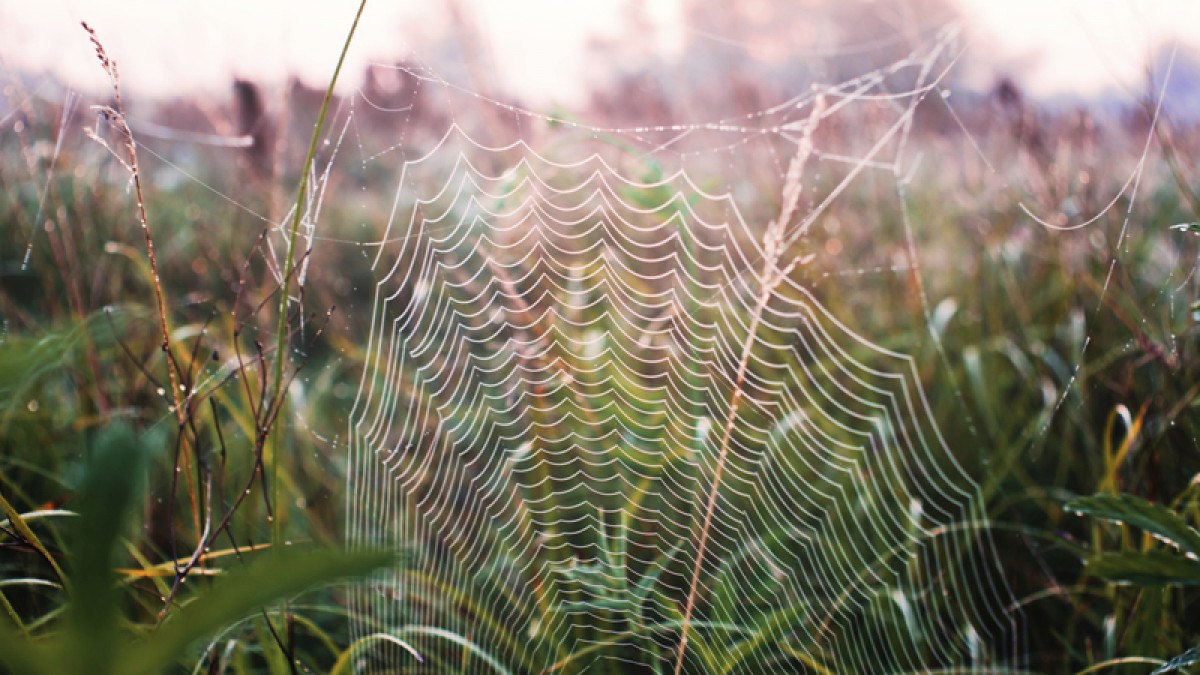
(270,579)
(92,639)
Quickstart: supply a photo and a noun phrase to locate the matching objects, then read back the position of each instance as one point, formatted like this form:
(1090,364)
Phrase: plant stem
(281,328)
(774,243)
(718,473)
(116,116)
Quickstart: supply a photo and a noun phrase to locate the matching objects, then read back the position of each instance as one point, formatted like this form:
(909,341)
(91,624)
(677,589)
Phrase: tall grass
(1062,366)
(212,422)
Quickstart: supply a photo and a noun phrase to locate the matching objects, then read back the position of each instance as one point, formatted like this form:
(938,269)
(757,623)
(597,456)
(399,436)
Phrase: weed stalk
(771,276)
(115,115)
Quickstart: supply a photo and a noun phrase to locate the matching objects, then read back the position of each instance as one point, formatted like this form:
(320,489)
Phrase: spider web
(604,410)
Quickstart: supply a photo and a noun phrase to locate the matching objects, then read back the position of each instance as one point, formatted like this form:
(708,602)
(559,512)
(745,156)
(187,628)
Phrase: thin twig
(771,276)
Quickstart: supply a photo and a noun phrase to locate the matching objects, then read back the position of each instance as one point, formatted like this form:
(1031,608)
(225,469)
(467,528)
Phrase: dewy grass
(1019,303)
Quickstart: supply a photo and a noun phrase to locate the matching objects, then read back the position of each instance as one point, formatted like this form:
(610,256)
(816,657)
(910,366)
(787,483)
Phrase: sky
(1084,47)
(536,48)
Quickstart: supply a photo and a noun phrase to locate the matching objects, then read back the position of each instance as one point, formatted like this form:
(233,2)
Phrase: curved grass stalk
(456,639)
(18,524)
(1122,661)
(342,665)
(327,641)
(465,601)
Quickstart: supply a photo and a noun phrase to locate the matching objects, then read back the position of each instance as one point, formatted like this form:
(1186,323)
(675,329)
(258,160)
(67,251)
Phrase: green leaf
(19,654)
(108,496)
(1156,519)
(1146,568)
(264,582)
(110,491)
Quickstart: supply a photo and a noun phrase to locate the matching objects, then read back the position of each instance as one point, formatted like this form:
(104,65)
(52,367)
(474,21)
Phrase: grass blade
(1156,519)
(1146,568)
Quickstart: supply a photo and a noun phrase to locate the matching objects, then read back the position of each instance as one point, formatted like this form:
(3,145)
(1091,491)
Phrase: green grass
(1000,346)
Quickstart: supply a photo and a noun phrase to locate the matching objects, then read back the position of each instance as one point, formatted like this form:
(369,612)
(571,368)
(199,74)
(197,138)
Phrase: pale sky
(1084,46)
(1059,46)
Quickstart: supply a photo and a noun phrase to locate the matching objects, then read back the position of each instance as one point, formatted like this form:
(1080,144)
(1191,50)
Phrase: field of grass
(170,431)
